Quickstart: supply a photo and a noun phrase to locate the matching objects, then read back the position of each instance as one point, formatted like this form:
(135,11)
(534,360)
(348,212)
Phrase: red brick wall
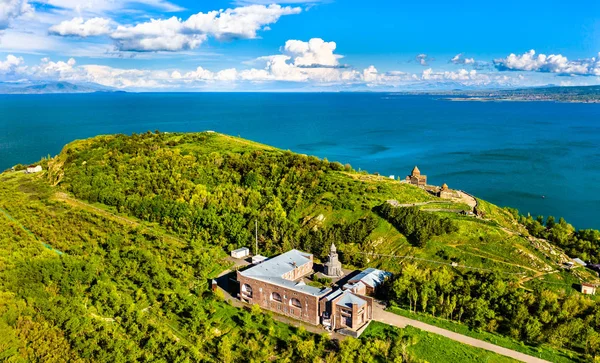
(262,293)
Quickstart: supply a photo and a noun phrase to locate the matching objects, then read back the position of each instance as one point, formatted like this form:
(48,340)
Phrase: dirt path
(379,314)
(496,260)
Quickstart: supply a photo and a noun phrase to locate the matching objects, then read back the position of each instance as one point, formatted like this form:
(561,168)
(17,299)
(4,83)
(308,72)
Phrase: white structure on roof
(258,259)
(240,252)
(34,169)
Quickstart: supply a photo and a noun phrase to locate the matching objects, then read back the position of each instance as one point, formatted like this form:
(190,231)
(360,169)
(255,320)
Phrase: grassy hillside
(80,282)
(187,182)
(115,243)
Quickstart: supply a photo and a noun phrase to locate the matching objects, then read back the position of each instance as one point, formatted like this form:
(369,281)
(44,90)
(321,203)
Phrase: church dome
(416,171)
(445,186)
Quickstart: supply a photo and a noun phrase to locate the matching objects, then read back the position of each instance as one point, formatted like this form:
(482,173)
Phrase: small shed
(34,169)
(258,259)
(588,289)
(240,252)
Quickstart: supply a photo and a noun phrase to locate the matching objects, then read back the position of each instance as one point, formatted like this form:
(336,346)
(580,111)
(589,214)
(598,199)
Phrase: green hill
(212,187)
(105,256)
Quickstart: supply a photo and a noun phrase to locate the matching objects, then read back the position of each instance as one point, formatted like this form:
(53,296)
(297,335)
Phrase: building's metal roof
(580,261)
(353,285)
(333,295)
(242,249)
(371,277)
(350,299)
(273,269)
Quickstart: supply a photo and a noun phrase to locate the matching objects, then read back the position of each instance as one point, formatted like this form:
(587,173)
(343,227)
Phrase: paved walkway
(379,314)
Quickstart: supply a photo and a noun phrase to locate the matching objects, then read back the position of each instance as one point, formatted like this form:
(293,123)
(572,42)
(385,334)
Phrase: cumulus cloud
(80,28)
(312,62)
(11,65)
(459,59)
(156,35)
(553,63)
(10,9)
(48,69)
(242,22)
(313,54)
(423,59)
(174,34)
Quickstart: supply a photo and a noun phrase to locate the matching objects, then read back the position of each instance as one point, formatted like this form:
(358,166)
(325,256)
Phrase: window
(247,291)
(295,302)
(275,297)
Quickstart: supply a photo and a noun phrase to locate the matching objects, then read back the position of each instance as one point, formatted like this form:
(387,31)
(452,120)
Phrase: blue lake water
(510,153)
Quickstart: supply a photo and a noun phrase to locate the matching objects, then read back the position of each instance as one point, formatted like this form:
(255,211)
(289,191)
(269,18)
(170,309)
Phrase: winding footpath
(380,315)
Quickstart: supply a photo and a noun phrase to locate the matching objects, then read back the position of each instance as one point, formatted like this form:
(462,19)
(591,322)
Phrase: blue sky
(300,45)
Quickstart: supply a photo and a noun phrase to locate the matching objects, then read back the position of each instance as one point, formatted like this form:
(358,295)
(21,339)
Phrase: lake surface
(510,153)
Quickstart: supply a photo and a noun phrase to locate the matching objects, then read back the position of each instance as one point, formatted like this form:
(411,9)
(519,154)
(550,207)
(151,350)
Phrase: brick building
(343,309)
(416,178)
(277,284)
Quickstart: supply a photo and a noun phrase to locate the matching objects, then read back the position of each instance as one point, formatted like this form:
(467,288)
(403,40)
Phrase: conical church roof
(416,171)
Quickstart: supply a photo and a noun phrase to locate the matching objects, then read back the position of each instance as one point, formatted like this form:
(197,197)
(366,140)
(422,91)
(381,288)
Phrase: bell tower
(333,267)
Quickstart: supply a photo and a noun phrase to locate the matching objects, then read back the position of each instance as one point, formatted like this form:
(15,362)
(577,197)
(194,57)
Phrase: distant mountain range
(579,94)
(50,88)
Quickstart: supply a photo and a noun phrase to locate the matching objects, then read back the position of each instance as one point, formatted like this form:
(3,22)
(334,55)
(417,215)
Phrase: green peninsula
(108,253)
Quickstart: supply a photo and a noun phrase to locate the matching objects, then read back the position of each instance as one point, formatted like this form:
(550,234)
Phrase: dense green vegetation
(202,190)
(486,301)
(131,279)
(543,351)
(584,243)
(416,225)
(122,291)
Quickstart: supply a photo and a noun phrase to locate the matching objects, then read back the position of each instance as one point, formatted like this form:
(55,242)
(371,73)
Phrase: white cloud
(459,59)
(10,9)
(103,6)
(313,63)
(553,63)
(242,22)
(48,69)
(79,27)
(174,34)
(423,59)
(11,65)
(314,53)
(156,35)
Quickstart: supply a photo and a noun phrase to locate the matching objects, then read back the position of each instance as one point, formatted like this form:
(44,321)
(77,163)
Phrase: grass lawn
(433,347)
(544,352)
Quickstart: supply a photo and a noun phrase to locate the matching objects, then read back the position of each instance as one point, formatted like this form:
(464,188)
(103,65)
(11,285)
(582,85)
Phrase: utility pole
(256,236)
